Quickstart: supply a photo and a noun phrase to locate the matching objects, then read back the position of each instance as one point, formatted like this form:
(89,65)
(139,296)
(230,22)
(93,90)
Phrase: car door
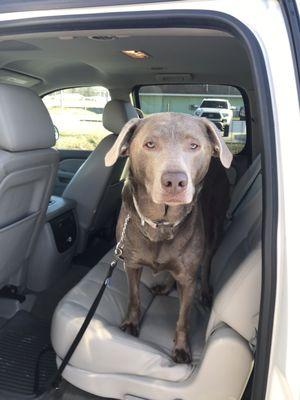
(77,116)
(70,161)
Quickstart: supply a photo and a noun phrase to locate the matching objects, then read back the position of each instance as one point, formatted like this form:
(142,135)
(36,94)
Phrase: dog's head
(169,154)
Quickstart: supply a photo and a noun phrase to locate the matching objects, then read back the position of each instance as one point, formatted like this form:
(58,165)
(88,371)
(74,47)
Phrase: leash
(118,253)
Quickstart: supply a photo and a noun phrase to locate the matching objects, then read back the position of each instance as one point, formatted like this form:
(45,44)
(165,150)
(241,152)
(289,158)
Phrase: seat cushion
(104,347)
(159,325)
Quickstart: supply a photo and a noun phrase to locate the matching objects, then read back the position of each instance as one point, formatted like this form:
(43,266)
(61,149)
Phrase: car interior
(57,229)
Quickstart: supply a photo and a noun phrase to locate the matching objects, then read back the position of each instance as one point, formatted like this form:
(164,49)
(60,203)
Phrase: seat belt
(236,202)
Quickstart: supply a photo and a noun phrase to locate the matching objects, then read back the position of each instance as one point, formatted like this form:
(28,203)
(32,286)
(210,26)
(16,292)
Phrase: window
(77,116)
(222,104)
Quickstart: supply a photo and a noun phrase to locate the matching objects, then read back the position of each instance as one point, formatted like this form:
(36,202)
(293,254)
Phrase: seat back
(242,239)
(236,282)
(237,301)
(28,169)
(95,187)
(247,211)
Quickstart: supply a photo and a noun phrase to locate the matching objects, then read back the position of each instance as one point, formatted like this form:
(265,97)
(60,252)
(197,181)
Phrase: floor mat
(27,360)
(70,392)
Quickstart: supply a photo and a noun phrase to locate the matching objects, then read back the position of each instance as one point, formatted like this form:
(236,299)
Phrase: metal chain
(120,245)
(118,252)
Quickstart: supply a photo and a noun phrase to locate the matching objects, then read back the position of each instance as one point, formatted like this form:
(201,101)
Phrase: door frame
(207,19)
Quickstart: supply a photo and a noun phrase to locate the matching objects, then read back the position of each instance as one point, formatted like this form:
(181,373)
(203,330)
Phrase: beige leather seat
(28,167)
(96,188)
(111,363)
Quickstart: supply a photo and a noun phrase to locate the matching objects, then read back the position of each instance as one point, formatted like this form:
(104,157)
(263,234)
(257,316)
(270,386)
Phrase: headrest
(25,123)
(116,113)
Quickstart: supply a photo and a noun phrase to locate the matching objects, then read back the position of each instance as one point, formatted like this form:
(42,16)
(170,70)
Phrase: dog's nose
(174,182)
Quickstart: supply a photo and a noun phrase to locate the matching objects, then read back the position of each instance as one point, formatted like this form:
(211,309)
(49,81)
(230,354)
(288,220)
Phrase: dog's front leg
(131,322)
(181,351)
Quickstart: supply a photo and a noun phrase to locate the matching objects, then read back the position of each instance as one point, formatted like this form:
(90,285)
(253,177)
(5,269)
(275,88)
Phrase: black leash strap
(55,381)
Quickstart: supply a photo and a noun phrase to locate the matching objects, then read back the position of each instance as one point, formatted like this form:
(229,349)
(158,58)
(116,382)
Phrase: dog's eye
(149,145)
(194,146)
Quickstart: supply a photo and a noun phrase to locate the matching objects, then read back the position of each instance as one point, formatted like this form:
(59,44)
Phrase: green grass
(89,140)
(69,141)
(80,129)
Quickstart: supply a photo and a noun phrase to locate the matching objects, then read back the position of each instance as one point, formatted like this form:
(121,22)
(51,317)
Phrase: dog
(169,157)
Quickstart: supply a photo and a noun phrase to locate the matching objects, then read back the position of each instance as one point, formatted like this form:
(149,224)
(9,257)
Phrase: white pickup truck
(218,111)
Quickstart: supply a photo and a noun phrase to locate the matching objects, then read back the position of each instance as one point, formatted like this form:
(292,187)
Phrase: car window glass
(222,104)
(77,116)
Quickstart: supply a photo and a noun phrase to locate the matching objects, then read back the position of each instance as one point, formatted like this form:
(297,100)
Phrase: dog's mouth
(175,200)
(160,195)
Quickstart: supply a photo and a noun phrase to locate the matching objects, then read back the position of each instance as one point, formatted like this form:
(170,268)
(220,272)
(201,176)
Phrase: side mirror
(56,132)
(232,108)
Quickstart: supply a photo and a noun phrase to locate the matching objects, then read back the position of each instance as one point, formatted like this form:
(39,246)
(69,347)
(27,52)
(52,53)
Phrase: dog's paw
(182,356)
(130,327)
(160,290)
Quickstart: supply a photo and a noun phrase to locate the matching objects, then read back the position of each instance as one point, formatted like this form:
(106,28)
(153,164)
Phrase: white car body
(266,21)
(225,113)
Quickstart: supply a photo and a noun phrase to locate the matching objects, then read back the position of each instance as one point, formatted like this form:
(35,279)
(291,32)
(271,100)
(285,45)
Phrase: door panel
(70,162)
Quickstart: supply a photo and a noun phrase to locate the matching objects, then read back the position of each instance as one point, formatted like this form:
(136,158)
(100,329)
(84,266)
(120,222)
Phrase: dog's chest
(169,253)
(157,267)
(159,256)
(160,266)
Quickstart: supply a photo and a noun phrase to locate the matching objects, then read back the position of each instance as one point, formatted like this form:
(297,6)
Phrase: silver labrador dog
(169,154)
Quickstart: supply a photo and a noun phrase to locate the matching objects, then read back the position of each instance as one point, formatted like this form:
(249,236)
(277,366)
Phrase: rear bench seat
(109,362)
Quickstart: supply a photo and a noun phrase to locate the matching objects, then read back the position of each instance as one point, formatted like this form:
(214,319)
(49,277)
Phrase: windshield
(213,104)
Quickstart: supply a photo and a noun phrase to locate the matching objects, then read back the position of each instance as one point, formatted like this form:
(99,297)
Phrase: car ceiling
(76,59)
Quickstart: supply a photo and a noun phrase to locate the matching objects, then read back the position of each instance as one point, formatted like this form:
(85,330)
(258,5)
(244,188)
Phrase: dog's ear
(220,148)
(121,145)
